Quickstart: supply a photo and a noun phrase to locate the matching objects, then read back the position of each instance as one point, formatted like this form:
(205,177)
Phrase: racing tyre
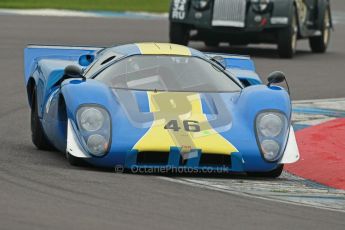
(287,38)
(179,34)
(212,44)
(320,43)
(37,134)
(75,161)
(271,174)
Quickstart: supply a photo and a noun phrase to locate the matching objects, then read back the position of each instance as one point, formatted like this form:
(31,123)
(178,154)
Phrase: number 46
(189,126)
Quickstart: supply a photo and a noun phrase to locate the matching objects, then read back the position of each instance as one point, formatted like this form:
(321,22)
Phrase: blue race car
(158,106)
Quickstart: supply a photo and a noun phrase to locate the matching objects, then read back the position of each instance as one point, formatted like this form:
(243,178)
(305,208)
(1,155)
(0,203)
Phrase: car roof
(153,48)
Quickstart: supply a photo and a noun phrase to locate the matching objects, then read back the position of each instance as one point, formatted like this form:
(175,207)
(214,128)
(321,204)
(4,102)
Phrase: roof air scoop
(86,60)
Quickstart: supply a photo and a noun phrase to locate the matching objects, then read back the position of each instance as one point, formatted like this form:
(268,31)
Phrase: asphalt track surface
(40,190)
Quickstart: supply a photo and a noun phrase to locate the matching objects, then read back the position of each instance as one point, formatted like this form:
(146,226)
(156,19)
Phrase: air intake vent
(152,158)
(231,13)
(215,160)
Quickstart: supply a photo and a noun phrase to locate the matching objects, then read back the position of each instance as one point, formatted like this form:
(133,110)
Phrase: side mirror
(275,77)
(73,71)
(86,60)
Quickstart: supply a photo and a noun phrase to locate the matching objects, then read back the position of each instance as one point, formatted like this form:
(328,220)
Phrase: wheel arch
(290,4)
(62,108)
(322,6)
(30,87)
(294,4)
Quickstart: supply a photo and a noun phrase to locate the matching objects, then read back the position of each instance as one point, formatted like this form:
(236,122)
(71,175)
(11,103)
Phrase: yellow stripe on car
(163,49)
(181,108)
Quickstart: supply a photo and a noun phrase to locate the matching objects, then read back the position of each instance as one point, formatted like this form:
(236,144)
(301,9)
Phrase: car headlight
(91,119)
(260,6)
(270,125)
(200,4)
(97,144)
(271,132)
(95,129)
(270,149)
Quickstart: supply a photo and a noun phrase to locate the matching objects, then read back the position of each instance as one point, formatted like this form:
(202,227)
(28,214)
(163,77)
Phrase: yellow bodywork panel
(163,49)
(181,108)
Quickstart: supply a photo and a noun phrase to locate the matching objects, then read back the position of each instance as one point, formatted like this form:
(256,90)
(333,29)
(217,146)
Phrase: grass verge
(99,5)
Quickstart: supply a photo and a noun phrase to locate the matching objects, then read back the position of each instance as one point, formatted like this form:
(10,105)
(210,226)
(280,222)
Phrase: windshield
(167,73)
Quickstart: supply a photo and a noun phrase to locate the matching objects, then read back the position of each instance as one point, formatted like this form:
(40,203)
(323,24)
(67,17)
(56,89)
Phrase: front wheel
(271,174)
(319,44)
(287,38)
(179,33)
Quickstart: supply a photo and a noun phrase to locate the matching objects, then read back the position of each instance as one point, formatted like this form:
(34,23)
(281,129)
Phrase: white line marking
(318,100)
(338,16)
(62,47)
(77,13)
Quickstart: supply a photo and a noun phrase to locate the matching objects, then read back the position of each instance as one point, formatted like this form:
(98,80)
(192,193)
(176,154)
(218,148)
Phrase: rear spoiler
(32,53)
(241,66)
(235,61)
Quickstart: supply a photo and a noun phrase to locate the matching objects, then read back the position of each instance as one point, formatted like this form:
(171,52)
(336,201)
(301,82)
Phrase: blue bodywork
(59,101)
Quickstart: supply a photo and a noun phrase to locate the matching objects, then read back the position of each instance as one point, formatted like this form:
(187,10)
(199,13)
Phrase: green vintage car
(240,22)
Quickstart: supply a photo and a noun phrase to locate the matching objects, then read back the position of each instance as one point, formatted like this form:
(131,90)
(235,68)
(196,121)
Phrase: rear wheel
(320,43)
(179,33)
(271,174)
(37,133)
(287,38)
